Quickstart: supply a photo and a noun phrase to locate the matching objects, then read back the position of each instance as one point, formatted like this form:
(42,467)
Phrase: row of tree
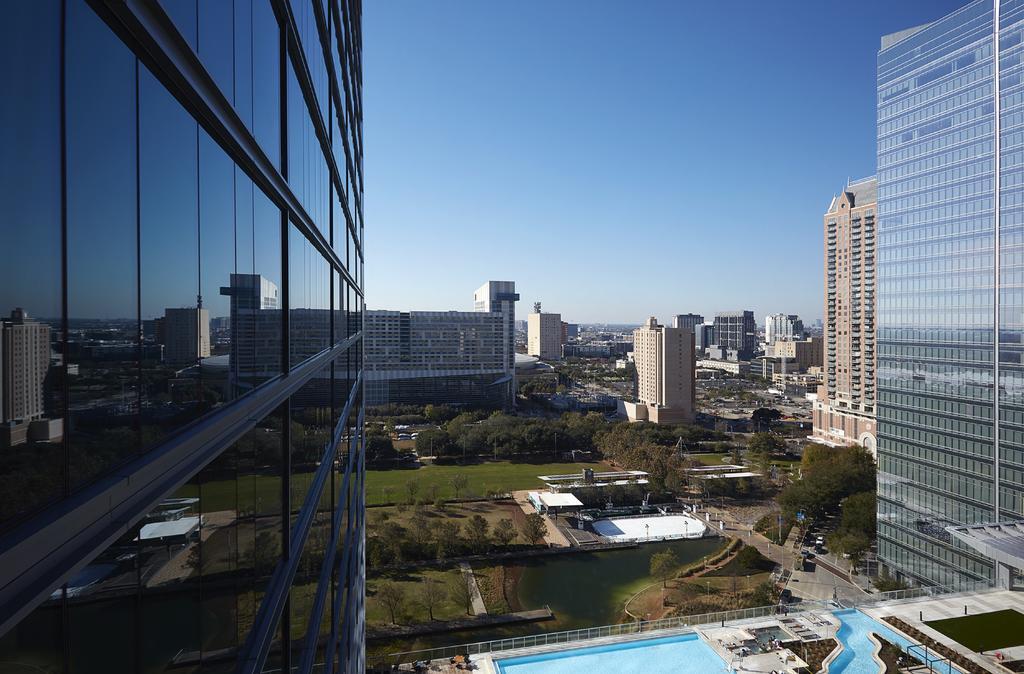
(837,479)
(429,534)
(503,436)
(429,593)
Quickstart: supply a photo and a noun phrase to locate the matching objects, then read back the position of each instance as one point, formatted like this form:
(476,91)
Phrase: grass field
(458,512)
(985,631)
(386,486)
(412,610)
(710,459)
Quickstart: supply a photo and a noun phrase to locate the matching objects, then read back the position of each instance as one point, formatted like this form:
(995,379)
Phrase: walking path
(553,537)
(474,590)
(825,582)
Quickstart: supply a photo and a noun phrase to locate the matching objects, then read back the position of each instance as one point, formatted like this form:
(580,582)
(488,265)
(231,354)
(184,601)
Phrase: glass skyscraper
(181,307)
(951,288)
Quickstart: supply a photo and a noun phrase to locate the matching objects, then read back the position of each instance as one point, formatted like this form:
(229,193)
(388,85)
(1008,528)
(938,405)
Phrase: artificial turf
(984,631)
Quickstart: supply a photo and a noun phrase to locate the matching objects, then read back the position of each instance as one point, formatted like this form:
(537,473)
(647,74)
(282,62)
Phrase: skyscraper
(186,334)
(24,365)
(438,357)
(844,412)
(687,321)
(736,331)
(501,296)
(782,326)
(950,294)
(185,519)
(665,374)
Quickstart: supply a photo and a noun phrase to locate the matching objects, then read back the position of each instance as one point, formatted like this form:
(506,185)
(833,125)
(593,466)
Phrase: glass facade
(181,336)
(951,288)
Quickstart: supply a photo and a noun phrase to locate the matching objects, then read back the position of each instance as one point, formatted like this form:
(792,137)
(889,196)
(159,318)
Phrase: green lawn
(412,609)
(985,631)
(710,459)
(385,486)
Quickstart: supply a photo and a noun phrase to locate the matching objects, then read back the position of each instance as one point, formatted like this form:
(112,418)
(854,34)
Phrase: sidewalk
(781,555)
(822,583)
(553,537)
(474,590)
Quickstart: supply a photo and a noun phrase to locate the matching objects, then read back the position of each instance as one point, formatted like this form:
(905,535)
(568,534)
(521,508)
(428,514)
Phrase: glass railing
(679,624)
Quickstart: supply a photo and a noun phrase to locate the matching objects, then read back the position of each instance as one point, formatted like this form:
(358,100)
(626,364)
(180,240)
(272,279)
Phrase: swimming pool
(682,654)
(856,656)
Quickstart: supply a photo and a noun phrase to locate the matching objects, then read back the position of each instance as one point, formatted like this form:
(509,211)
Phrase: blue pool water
(856,656)
(682,654)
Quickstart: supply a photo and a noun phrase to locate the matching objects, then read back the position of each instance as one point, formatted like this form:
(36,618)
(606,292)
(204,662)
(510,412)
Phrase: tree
(505,532)
(392,596)
(476,531)
(763,418)
(412,487)
(859,514)
(389,427)
(829,474)
(765,594)
(419,527)
(431,594)
(459,483)
(459,592)
(767,443)
(434,442)
(380,448)
(664,565)
(446,539)
(533,528)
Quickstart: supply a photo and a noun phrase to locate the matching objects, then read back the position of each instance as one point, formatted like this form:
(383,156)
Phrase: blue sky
(617,160)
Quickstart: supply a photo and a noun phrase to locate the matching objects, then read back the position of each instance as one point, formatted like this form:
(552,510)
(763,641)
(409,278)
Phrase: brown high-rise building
(665,375)
(844,412)
(24,363)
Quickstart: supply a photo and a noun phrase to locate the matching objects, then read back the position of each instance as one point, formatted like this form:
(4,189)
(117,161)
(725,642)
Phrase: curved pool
(858,649)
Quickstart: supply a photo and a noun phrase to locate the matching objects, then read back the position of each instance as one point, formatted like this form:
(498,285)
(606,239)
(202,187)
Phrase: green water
(582,589)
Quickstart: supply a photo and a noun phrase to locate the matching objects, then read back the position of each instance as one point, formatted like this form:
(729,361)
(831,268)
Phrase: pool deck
(761,663)
(912,610)
(806,626)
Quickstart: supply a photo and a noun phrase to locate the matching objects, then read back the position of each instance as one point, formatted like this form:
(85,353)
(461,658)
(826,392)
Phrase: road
(818,584)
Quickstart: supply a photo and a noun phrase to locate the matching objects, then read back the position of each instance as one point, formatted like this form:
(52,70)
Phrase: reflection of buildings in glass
(132,204)
(24,366)
(255,318)
(950,282)
(186,335)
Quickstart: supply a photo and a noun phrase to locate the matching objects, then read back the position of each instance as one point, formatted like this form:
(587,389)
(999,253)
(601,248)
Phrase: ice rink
(663,527)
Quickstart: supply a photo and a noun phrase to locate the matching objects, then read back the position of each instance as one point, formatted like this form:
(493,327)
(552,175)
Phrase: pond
(582,589)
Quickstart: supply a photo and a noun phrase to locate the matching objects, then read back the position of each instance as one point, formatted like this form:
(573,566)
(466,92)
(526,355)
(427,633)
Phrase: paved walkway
(479,608)
(553,537)
(819,584)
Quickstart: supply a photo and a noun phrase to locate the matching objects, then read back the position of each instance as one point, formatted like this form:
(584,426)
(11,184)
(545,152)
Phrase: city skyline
(535,149)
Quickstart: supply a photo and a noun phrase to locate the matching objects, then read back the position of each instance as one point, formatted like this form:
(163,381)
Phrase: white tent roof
(552,500)
(169,528)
